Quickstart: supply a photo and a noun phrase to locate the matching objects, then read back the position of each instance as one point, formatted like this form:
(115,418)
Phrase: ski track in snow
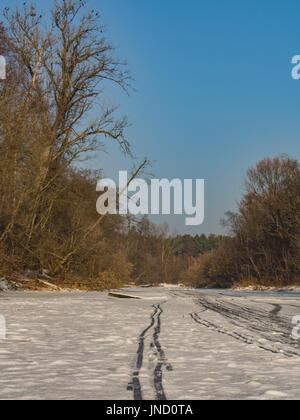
(158,352)
(188,344)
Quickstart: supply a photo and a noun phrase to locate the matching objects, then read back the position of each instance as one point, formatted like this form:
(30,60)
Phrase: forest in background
(263,243)
(56,80)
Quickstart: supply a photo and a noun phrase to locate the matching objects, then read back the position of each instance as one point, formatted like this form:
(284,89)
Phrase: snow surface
(172,344)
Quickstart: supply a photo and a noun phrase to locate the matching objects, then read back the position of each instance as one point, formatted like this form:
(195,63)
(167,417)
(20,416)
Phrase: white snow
(174,343)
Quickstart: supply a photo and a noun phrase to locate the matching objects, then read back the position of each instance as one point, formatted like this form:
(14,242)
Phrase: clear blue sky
(214,89)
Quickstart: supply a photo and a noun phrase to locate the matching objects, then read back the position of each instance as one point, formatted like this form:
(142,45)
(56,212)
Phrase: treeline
(263,248)
(121,250)
(159,258)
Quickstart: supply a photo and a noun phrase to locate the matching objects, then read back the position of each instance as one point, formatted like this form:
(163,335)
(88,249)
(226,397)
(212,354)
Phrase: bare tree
(66,67)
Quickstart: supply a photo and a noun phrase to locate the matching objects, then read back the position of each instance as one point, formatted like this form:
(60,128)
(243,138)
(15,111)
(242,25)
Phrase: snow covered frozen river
(173,344)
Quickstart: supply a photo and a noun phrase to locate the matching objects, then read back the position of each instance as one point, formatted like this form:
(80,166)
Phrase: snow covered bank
(171,344)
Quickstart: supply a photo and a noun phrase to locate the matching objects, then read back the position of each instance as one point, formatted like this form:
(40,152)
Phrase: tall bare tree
(67,66)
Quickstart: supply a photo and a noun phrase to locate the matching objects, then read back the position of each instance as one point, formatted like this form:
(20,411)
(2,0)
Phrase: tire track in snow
(260,323)
(238,336)
(209,324)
